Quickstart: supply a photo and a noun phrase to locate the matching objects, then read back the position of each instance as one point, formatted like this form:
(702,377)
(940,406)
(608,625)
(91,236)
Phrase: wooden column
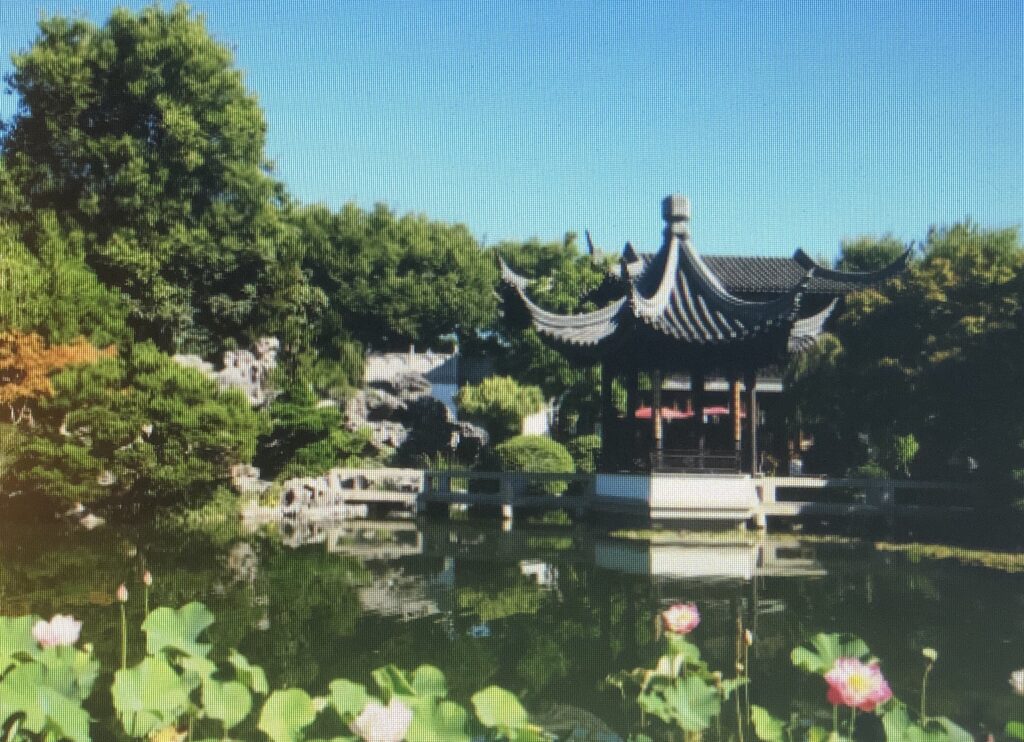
(656,413)
(632,402)
(699,402)
(750,382)
(736,409)
(607,417)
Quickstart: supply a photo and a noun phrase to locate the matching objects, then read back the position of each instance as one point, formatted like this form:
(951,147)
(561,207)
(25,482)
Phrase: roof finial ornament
(675,209)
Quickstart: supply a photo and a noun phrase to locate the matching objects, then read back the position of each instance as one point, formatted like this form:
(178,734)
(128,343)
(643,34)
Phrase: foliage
(919,375)
(866,254)
(50,290)
(141,137)
(392,281)
(26,363)
(536,453)
(182,681)
(499,404)
(562,280)
(134,426)
(585,450)
(177,684)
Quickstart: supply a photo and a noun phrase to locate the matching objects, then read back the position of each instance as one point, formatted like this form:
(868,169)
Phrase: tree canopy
(936,354)
(141,137)
(392,281)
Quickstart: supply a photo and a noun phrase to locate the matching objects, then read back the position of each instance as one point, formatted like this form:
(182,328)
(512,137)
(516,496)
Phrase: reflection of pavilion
(714,320)
(701,558)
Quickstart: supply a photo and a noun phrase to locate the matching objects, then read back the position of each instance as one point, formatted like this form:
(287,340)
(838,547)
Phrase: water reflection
(548,612)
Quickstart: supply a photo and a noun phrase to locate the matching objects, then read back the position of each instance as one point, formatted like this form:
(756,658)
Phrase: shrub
(536,453)
(585,450)
(499,404)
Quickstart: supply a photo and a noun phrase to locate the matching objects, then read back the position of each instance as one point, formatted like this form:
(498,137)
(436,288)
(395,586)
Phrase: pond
(547,612)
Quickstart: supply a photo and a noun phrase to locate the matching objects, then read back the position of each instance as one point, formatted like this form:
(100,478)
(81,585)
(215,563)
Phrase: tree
(393,281)
(866,254)
(305,435)
(50,290)
(26,363)
(924,371)
(562,281)
(499,404)
(141,136)
(137,426)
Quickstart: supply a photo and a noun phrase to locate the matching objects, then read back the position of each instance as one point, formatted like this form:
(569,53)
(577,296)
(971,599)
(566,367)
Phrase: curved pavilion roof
(675,310)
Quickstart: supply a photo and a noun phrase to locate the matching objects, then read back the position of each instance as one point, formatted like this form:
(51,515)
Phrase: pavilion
(673,312)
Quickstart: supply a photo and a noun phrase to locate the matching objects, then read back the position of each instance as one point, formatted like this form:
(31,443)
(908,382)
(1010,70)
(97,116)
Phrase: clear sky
(789,124)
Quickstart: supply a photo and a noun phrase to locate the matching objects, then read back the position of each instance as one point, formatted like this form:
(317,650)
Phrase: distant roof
(743,274)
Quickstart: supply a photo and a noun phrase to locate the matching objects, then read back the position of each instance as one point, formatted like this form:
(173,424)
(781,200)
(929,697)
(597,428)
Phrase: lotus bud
(1017,682)
(122,594)
(748,637)
(147,578)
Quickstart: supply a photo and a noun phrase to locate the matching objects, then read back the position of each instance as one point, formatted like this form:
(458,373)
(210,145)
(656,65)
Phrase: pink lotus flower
(681,618)
(122,594)
(59,631)
(147,578)
(855,684)
(377,723)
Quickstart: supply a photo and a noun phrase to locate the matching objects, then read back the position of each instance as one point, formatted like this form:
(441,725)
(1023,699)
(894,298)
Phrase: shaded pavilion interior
(675,313)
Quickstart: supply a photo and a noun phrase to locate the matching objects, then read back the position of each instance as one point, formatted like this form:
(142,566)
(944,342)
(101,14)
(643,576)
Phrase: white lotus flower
(378,723)
(59,631)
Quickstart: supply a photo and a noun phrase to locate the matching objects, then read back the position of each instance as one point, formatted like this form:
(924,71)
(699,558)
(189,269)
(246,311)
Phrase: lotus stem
(924,692)
(124,639)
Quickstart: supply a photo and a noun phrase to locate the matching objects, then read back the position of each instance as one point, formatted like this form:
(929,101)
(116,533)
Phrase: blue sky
(789,124)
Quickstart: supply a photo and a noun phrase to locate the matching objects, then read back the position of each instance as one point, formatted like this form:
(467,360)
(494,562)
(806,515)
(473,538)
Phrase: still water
(547,612)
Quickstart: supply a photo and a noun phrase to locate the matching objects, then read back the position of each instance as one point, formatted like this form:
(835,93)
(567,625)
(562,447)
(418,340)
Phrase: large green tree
(392,280)
(927,367)
(141,136)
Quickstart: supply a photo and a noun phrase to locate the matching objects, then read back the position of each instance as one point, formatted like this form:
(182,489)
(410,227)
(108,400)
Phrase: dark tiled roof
(744,274)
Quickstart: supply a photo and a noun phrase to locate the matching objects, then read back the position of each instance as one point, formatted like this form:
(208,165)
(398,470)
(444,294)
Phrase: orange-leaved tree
(26,363)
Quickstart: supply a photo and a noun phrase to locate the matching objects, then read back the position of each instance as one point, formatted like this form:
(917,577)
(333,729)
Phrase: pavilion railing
(696,460)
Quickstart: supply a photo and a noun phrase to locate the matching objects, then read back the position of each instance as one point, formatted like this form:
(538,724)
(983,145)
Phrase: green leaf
(1015,729)
(496,707)
(16,639)
(70,671)
(178,630)
(692,702)
(766,726)
(229,701)
(149,696)
(434,721)
(252,675)
(348,698)
(678,644)
(731,685)
(900,728)
(285,714)
(195,670)
(428,681)
(393,681)
(33,690)
(821,651)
